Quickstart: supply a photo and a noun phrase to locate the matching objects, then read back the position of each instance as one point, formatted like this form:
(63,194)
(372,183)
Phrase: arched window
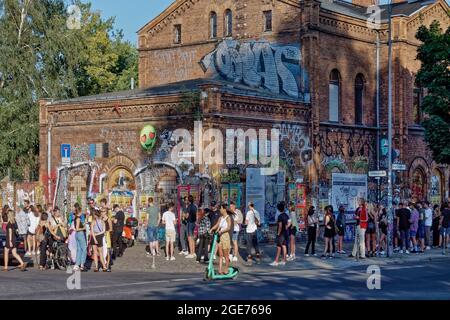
(228,23)
(334,96)
(213,25)
(418,188)
(359,97)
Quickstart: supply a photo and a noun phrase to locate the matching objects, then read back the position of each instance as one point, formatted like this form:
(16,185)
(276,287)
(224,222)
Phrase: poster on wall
(255,185)
(347,189)
(275,193)
(231,192)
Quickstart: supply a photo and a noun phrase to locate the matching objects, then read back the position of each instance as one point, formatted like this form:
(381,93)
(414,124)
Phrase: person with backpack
(252,220)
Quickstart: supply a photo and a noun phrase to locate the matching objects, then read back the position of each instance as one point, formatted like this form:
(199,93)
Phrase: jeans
(81,248)
(404,235)
(252,242)
(312,232)
(428,236)
(360,236)
(202,249)
(183,237)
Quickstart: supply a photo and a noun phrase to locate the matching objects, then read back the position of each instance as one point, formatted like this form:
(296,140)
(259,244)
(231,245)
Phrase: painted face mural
(148,137)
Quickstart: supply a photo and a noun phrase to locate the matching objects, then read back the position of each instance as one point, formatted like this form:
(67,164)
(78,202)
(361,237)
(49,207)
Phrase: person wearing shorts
(223,227)
(98,228)
(191,220)
(154,218)
(283,222)
(169,220)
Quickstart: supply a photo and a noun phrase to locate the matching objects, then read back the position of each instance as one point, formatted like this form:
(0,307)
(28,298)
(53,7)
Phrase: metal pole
(378,116)
(390,212)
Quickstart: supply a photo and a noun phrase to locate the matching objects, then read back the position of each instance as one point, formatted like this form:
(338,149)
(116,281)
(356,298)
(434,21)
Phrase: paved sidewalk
(135,259)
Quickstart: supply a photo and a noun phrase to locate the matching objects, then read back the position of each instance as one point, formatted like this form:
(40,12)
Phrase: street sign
(65,154)
(399,167)
(380,173)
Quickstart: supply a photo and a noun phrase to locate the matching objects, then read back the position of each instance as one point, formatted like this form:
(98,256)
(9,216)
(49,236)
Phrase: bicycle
(59,256)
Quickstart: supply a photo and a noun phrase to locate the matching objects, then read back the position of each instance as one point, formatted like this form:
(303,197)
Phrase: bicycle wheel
(62,257)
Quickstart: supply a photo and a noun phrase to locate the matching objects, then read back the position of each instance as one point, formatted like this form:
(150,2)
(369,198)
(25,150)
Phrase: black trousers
(43,250)
(252,241)
(202,249)
(118,246)
(312,231)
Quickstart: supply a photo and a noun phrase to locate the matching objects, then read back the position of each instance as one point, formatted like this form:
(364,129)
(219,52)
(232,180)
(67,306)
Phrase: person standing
(97,236)
(312,222)
(341,225)
(435,226)
(371,233)
(44,238)
(80,229)
(293,228)
(108,238)
(183,238)
(414,226)
(428,224)
(118,224)
(445,225)
(223,228)
(403,226)
(203,234)
(34,217)
(282,226)
(191,220)
(154,219)
(421,227)
(238,220)
(11,229)
(329,231)
(252,220)
(23,222)
(362,219)
(383,226)
(169,221)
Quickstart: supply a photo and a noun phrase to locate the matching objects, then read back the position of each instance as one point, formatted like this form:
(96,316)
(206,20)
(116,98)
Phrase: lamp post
(389,205)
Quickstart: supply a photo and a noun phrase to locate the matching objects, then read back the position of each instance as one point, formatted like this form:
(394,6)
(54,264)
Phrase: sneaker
(428,248)
(214,257)
(231,257)
(401,251)
(274,264)
(76,268)
(406,251)
(185,253)
(382,253)
(38,252)
(33,253)
(282,263)
(235,259)
(181,252)
(147,253)
(315,254)
(343,252)
(28,254)
(167,258)
(190,256)
(172,258)
(306,255)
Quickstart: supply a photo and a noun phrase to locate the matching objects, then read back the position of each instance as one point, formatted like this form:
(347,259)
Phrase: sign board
(399,166)
(65,154)
(380,173)
(255,190)
(347,189)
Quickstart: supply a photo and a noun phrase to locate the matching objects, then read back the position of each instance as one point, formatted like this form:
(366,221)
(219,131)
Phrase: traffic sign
(399,166)
(380,173)
(65,154)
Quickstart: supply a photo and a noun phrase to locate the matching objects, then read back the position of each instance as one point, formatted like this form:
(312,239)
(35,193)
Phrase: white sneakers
(276,264)
(172,258)
(191,256)
(183,253)
(291,257)
(235,259)
(27,254)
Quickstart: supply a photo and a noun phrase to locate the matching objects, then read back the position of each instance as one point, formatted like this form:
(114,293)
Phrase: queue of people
(94,235)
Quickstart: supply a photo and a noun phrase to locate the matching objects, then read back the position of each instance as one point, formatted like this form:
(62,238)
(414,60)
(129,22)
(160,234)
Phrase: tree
(40,57)
(434,76)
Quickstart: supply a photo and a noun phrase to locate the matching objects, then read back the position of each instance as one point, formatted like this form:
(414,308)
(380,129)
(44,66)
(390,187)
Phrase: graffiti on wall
(259,64)
(80,153)
(295,147)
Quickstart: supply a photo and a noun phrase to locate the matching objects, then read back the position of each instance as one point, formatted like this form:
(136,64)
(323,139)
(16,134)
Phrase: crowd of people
(93,235)
(96,234)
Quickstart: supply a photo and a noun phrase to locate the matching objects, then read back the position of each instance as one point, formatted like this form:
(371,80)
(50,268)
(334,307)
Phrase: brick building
(314,70)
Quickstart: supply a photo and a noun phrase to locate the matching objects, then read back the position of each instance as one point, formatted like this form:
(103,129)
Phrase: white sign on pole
(399,167)
(380,173)
(347,189)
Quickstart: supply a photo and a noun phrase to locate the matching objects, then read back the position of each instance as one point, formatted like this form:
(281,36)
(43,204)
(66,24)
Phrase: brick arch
(420,164)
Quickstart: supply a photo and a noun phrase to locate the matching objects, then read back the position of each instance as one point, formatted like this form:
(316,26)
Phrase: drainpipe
(49,162)
(378,111)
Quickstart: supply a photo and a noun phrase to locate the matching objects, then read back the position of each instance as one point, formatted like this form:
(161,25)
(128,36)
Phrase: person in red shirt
(362,219)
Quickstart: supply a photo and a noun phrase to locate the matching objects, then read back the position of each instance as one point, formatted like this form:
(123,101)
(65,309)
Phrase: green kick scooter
(211,274)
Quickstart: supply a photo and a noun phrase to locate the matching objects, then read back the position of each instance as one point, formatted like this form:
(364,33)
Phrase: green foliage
(434,75)
(40,57)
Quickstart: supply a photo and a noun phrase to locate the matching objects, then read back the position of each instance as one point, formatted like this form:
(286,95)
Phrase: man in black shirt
(191,220)
(283,222)
(403,224)
(118,224)
(445,224)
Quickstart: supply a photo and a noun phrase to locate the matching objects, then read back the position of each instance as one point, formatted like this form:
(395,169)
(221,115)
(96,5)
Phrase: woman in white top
(223,227)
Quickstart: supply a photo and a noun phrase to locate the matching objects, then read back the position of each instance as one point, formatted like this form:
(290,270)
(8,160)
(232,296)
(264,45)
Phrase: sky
(130,15)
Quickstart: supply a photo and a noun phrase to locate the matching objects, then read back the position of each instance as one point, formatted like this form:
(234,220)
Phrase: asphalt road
(406,281)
